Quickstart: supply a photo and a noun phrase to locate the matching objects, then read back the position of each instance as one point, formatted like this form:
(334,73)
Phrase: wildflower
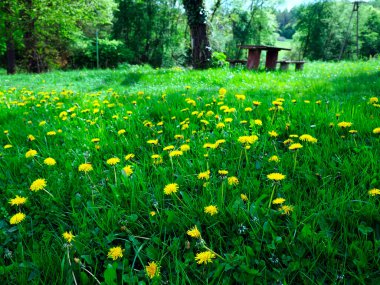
(244,197)
(212,210)
(128,170)
(18,201)
(258,122)
(240,97)
(184,147)
(85,167)
(17,218)
(288,141)
(194,232)
(115,252)
(68,236)
(30,153)
(95,140)
(374,192)
(171,188)
(223,172)
(308,138)
(152,269)
(286,209)
(276,176)
(38,184)
(157,159)
(295,146)
(155,142)
(222,91)
(248,139)
(204,257)
(344,125)
(278,201)
(129,156)
(50,161)
(152,213)
(353,131)
(176,153)
(256,103)
(373,100)
(113,161)
(273,134)
(204,175)
(220,125)
(42,123)
(51,133)
(169,147)
(293,136)
(120,132)
(274,158)
(31,138)
(233,181)
(376,131)
(8,146)
(228,120)
(248,109)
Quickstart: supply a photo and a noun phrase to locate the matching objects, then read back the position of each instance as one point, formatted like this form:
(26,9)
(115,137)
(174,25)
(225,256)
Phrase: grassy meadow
(173,176)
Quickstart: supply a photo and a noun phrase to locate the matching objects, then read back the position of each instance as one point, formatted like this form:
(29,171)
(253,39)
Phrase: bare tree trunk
(10,44)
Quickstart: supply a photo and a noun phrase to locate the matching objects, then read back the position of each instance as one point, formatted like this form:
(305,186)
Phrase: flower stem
(271,196)
(209,249)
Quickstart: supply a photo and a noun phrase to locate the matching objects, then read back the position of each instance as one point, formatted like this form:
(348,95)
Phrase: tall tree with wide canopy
(197,21)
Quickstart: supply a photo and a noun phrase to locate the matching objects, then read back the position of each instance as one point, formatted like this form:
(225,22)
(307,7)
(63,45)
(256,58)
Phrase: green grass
(331,235)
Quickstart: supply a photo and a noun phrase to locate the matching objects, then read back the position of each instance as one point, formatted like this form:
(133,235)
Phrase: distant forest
(40,35)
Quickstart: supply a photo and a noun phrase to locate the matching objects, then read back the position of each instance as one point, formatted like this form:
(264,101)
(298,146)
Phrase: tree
(6,14)
(197,21)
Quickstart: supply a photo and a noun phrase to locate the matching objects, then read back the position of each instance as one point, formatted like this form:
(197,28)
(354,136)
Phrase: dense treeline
(38,35)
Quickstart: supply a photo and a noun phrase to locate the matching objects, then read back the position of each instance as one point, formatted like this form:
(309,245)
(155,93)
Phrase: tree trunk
(200,46)
(11,55)
(201,51)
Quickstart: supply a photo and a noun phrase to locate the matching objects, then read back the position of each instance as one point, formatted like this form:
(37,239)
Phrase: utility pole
(97,48)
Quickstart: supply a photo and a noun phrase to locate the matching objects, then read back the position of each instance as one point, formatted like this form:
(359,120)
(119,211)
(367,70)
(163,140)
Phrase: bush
(218,59)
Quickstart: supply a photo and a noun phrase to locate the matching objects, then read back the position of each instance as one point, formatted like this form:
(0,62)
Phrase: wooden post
(253,58)
(271,60)
(299,65)
(284,65)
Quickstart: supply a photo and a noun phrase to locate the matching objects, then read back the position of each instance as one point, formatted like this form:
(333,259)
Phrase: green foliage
(331,236)
(219,59)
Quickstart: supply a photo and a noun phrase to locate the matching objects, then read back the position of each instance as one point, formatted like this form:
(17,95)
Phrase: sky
(289,4)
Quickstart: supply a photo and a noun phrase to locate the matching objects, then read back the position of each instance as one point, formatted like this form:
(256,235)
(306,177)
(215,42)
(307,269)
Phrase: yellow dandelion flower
(171,188)
(31,138)
(258,122)
(68,236)
(152,270)
(274,158)
(220,125)
(244,197)
(50,161)
(129,156)
(184,147)
(42,123)
(169,147)
(120,132)
(204,175)
(222,91)
(113,161)
(128,170)
(38,184)
(223,172)
(51,133)
(155,142)
(248,139)
(273,134)
(152,213)
(308,138)
(194,232)
(85,167)
(276,176)
(248,109)
(30,153)
(278,201)
(286,209)
(212,210)
(344,125)
(17,218)
(175,153)
(115,252)
(228,120)
(233,181)
(374,192)
(8,146)
(179,137)
(376,131)
(18,201)
(373,100)
(256,103)
(95,140)
(205,257)
(295,146)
